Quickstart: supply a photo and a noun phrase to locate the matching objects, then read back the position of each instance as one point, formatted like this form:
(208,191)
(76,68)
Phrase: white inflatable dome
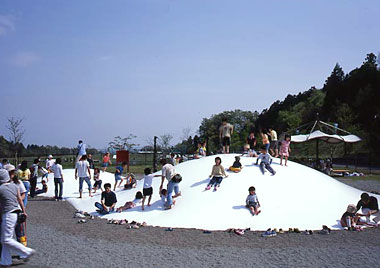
(297,196)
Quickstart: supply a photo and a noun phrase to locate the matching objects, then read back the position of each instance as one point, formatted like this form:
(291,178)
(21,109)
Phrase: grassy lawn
(373,177)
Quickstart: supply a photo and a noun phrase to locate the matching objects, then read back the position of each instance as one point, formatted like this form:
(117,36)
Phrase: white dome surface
(296,197)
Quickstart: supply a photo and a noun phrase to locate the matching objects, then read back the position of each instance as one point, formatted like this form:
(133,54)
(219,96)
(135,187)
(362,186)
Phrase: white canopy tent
(317,134)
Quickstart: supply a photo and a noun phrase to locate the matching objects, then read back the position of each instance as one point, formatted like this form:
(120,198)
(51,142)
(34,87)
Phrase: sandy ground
(62,242)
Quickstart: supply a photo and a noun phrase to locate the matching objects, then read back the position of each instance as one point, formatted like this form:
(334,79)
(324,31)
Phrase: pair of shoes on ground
(325,230)
(294,230)
(269,233)
(308,232)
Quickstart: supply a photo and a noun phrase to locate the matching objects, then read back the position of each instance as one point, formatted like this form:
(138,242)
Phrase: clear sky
(93,70)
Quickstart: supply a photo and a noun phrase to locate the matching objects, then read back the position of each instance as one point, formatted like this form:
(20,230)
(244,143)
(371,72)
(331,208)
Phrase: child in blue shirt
(119,170)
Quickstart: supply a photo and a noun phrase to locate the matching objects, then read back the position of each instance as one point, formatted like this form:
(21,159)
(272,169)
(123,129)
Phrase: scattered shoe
(82,221)
(169,229)
(79,215)
(296,230)
(290,230)
(268,233)
(207,232)
(134,226)
(281,231)
(239,231)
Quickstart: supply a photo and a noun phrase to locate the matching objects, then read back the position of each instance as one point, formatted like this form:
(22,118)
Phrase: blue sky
(93,70)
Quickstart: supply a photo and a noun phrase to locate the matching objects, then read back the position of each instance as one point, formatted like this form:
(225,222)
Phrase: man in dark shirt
(369,206)
(251,140)
(108,201)
(90,161)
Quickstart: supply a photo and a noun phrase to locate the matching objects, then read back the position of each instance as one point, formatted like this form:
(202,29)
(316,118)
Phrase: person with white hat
(12,204)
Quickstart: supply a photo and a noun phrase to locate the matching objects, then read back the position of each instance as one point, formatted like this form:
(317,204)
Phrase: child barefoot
(119,170)
(98,181)
(266,160)
(236,166)
(131,204)
(285,149)
(217,174)
(252,202)
(163,196)
(148,189)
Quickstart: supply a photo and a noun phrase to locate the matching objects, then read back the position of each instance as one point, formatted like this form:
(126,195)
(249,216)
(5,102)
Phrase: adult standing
(90,161)
(33,176)
(369,206)
(82,170)
(168,172)
(274,142)
(11,203)
(81,150)
(49,163)
(251,140)
(58,179)
(225,133)
(265,140)
(106,161)
(24,176)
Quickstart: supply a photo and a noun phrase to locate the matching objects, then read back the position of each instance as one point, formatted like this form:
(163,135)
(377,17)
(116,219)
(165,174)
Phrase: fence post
(155,154)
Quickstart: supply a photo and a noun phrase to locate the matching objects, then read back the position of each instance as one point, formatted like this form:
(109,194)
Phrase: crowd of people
(16,183)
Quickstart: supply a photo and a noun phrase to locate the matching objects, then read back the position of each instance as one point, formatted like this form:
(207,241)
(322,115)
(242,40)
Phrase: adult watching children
(168,173)
(11,205)
(82,170)
(225,132)
(369,206)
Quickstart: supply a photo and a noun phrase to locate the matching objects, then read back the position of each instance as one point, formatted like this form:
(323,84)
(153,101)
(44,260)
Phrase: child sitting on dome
(236,166)
(252,202)
(349,218)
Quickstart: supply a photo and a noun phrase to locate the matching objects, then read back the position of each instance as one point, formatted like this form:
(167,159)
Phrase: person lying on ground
(131,204)
(252,202)
(108,201)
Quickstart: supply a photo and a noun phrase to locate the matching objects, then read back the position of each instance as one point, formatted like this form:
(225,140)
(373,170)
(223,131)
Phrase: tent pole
(317,152)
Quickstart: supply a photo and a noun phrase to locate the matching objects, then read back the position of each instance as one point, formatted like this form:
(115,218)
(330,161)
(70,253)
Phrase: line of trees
(351,100)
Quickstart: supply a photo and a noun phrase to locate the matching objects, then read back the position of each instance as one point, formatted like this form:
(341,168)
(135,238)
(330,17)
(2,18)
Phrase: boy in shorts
(119,170)
(148,189)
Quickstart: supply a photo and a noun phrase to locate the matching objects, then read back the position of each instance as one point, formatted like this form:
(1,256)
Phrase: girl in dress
(285,149)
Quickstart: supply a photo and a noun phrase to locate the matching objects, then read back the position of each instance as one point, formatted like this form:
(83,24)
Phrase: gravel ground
(61,242)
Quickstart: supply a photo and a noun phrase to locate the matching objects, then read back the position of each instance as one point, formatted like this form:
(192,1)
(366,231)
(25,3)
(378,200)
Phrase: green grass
(371,177)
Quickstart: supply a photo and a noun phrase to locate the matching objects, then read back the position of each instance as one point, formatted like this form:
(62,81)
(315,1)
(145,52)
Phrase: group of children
(106,206)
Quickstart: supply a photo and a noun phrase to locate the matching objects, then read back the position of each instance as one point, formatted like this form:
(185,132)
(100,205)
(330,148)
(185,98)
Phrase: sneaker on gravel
(267,233)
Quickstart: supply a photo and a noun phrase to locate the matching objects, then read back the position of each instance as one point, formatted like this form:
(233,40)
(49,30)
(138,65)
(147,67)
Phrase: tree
(120,143)
(16,131)
(165,141)
(186,133)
